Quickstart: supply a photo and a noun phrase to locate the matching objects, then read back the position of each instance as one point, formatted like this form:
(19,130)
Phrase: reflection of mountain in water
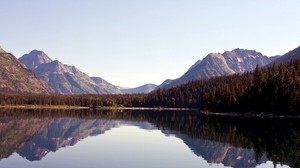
(67,132)
(15,131)
(235,142)
(218,152)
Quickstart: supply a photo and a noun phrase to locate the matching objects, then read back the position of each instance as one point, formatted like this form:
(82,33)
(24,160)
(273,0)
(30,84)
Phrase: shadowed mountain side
(291,55)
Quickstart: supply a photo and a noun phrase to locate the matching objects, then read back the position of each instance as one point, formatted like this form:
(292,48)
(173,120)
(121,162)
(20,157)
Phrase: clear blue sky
(133,42)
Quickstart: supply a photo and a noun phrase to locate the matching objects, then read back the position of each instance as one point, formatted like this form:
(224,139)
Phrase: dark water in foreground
(43,138)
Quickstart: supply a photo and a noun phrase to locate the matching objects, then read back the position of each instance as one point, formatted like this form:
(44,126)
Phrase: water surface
(43,138)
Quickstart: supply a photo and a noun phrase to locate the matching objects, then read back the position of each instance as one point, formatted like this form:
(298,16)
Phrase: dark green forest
(269,89)
(275,88)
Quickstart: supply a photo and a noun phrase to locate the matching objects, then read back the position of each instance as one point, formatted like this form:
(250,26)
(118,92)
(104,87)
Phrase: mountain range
(44,75)
(65,79)
(217,64)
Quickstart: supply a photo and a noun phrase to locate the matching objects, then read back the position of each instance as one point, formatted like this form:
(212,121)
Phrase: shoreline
(261,115)
(145,108)
(97,108)
(41,107)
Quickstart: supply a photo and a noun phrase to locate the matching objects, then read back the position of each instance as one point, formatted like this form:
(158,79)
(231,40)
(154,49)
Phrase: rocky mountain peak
(244,52)
(65,79)
(217,64)
(35,58)
(243,60)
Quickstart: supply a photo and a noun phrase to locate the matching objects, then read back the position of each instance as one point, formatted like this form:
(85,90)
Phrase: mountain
(141,89)
(217,64)
(16,78)
(288,56)
(34,59)
(65,79)
(105,86)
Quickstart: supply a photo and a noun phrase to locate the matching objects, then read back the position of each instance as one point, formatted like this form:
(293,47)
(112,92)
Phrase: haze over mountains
(216,64)
(147,88)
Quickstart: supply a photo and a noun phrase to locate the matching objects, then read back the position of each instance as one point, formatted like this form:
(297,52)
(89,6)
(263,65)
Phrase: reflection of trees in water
(278,139)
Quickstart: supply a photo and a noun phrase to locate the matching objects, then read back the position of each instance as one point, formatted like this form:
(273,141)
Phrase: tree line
(267,89)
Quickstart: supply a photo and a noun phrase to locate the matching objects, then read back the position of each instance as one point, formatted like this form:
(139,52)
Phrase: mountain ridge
(65,79)
(147,88)
(293,54)
(217,64)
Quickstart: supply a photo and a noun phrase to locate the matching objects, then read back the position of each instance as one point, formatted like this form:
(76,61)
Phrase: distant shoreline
(42,107)
(146,108)
(266,115)
(97,108)
(262,115)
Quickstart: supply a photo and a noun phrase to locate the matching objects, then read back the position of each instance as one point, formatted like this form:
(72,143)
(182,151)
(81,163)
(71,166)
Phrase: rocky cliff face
(16,78)
(65,79)
(216,64)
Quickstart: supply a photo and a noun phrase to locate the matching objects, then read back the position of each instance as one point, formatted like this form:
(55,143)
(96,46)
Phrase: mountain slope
(288,56)
(216,64)
(65,79)
(105,86)
(15,78)
(141,89)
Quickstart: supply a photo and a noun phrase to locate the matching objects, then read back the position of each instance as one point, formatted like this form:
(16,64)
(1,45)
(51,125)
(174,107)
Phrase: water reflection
(234,142)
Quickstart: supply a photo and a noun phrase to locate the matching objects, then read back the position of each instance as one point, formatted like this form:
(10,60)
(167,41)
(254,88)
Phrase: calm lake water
(148,139)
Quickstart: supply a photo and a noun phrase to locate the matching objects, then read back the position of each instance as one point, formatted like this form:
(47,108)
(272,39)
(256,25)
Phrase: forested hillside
(274,88)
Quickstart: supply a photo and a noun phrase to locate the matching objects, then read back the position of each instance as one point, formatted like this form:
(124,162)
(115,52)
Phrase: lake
(148,139)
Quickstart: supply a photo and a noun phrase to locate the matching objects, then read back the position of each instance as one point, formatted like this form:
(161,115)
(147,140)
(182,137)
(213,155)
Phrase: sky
(134,42)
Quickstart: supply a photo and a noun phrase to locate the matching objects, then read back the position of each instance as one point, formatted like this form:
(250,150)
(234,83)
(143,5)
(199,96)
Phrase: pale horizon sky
(133,42)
